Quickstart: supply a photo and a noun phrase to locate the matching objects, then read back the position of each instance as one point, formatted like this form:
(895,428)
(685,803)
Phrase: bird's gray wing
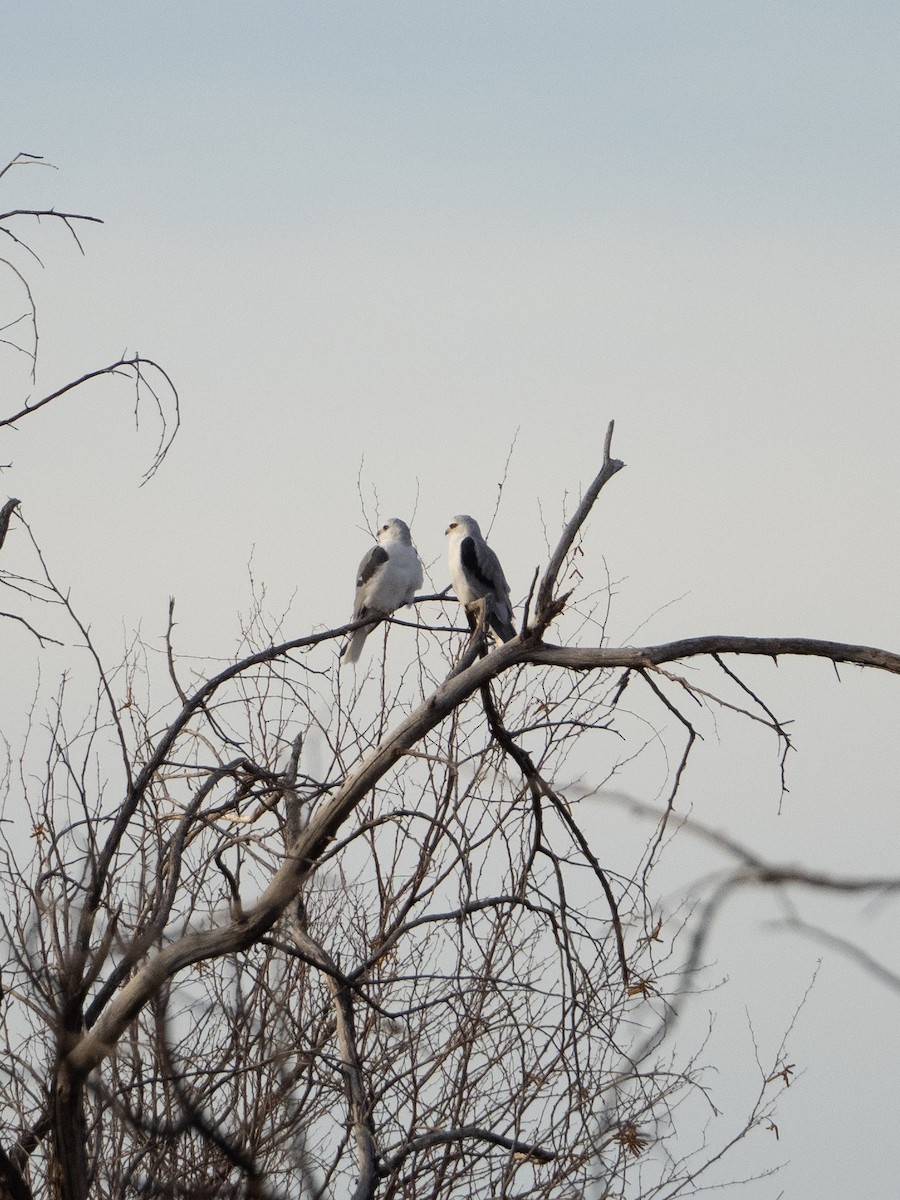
(483,567)
(366,582)
(370,564)
(368,569)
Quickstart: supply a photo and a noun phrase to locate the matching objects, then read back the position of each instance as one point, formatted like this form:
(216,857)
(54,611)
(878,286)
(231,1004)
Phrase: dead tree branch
(545,609)
(445,1137)
(136,369)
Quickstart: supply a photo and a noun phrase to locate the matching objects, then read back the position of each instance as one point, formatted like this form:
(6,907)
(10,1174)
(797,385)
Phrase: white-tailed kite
(387,577)
(476,572)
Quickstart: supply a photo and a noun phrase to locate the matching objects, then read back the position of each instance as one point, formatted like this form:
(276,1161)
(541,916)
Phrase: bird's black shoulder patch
(376,557)
(468,556)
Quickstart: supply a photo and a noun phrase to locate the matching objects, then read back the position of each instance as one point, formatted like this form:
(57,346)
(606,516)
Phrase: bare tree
(274,935)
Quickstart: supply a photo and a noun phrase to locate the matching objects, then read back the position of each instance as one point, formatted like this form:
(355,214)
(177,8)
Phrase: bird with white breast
(387,578)
(476,574)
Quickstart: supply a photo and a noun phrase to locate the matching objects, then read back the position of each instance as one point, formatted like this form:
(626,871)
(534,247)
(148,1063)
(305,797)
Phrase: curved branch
(66,218)
(31,314)
(843,946)
(444,1137)
(49,212)
(134,367)
(43,638)
(577,658)
(539,787)
(753,871)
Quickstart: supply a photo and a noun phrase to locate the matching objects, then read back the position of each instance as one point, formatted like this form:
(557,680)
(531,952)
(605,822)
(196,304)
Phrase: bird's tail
(505,630)
(353,649)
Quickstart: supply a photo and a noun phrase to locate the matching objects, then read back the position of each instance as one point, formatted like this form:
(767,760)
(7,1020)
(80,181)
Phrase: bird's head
(395,530)
(463,526)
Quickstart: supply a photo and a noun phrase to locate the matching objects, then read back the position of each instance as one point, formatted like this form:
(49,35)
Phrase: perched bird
(5,513)
(387,577)
(476,572)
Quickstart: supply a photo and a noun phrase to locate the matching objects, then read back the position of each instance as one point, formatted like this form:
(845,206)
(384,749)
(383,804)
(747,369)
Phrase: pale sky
(396,234)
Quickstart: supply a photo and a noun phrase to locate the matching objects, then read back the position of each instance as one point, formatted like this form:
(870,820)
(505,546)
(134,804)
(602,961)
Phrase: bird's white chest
(459,577)
(397,580)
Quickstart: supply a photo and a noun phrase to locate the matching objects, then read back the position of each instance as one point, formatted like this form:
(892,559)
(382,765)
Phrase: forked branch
(545,609)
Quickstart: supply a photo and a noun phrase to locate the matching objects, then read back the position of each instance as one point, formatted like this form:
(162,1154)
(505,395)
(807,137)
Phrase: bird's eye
(452,524)
(384,528)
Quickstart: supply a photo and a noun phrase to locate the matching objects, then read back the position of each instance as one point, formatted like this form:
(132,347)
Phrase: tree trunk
(69,1172)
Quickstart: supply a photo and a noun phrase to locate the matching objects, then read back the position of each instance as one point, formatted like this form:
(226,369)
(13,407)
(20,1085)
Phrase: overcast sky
(384,240)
